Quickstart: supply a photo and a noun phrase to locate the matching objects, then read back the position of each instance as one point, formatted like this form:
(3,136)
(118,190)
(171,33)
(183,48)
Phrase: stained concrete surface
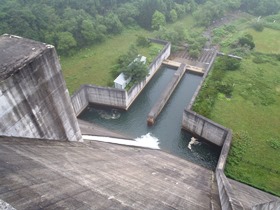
(97,130)
(15,51)
(37,174)
(250,196)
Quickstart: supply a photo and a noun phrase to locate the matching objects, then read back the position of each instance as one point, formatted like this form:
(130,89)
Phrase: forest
(70,25)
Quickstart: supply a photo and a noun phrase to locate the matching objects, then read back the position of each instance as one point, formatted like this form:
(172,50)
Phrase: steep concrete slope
(37,174)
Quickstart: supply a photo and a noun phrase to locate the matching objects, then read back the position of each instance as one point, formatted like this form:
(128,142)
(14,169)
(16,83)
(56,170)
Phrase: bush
(194,53)
(142,41)
(225,88)
(247,40)
(258,26)
(274,143)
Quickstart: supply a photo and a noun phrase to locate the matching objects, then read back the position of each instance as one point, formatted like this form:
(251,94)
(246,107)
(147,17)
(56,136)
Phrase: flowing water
(168,124)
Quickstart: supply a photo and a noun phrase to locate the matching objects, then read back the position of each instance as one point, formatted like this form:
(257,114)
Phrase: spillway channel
(168,126)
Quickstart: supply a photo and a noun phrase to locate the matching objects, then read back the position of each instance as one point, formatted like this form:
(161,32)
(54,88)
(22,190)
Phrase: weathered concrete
(189,68)
(70,175)
(252,198)
(5,206)
(33,96)
(117,97)
(203,127)
(165,95)
(153,68)
(79,100)
(106,96)
(208,68)
(97,130)
(273,205)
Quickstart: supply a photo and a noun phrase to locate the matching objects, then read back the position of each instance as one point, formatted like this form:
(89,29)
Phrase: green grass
(260,163)
(93,65)
(253,111)
(267,41)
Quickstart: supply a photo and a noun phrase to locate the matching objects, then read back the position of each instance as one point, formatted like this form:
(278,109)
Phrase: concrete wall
(165,95)
(79,100)
(219,135)
(273,205)
(117,97)
(204,127)
(106,96)
(227,197)
(153,67)
(34,100)
(202,81)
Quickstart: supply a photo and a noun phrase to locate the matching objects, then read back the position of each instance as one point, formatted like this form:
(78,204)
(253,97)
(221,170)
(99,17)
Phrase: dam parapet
(33,96)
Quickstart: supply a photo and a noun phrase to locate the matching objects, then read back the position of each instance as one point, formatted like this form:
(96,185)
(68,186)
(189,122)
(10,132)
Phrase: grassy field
(267,41)
(93,64)
(246,111)
(254,109)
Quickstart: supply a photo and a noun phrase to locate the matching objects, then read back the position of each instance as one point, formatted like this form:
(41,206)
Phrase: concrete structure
(190,68)
(120,82)
(165,95)
(115,97)
(45,174)
(33,96)
(70,175)
(153,68)
(203,127)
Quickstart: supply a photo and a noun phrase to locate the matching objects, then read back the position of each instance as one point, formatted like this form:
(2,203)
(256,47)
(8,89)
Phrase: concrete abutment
(34,100)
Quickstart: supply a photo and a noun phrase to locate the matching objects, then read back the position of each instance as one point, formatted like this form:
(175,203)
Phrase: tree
(173,15)
(258,26)
(158,20)
(247,40)
(142,41)
(66,42)
(136,70)
(88,31)
(113,23)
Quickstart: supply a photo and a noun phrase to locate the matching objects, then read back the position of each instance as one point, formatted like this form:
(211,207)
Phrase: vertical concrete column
(34,100)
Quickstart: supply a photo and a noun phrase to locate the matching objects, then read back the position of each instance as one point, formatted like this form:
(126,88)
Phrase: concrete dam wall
(33,96)
(114,97)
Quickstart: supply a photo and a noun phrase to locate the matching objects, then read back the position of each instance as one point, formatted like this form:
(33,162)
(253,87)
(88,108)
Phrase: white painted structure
(120,82)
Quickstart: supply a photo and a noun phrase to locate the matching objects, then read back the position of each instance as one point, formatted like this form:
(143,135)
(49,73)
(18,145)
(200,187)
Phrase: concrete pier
(190,68)
(157,108)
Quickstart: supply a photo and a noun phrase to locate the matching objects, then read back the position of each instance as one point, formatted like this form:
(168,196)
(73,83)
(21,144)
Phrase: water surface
(168,124)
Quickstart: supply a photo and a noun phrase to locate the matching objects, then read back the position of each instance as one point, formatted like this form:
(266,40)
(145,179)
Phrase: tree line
(71,24)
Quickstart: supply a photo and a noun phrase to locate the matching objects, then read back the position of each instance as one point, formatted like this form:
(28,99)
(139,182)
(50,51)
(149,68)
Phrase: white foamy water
(149,141)
(192,142)
(145,141)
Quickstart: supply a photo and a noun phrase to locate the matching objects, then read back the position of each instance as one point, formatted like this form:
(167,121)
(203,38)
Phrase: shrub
(225,88)
(247,40)
(194,53)
(258,26)
(142,41)
(274,143)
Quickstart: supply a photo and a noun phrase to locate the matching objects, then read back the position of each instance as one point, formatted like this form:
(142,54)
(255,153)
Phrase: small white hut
(120,82)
